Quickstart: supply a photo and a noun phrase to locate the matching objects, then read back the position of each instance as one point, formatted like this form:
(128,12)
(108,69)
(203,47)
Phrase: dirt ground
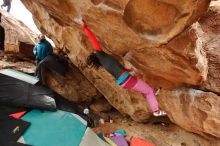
(159,131)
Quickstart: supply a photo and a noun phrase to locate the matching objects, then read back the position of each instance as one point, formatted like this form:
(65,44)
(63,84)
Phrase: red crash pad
(135,141)
(18,115)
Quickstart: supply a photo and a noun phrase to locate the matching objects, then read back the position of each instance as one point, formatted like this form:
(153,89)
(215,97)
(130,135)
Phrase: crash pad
(11,129)
(91,139)
(53,128)
(121,132)
(110,141)
(18,115)
(101,135)
(20,76)
(135,141)
(119,140)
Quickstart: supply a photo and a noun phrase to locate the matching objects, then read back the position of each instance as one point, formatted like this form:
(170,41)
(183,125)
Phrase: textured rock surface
(167,65)
(74,86)
(161,20)
(18,37)
(194,110)
(211,26)
(101,105)
(180,61)
(195,105)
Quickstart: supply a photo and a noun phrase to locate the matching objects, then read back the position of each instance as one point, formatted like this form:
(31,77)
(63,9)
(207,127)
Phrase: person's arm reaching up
(91,37)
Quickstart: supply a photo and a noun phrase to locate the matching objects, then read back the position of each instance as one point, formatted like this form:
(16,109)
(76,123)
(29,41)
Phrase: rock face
(74,86)
(197,110)
(194,110)
(167,65)
(210,25)
(160,20)
(101,106)
(157,39)
(18,37)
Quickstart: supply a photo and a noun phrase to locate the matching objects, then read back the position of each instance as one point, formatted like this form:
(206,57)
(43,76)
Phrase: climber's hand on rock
(78,20)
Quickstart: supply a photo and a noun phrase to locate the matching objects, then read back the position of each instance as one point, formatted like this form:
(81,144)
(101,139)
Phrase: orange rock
(194,110)
(162,20)
(18,37)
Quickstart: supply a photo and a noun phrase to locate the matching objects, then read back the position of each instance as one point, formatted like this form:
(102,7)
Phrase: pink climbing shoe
(159,113)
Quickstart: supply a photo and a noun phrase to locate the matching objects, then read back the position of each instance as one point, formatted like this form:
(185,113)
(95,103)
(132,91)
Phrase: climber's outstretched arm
(91,37)
(89,34)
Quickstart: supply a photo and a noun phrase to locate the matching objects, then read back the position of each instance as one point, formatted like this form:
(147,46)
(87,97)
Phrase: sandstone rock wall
(193,109)
(74,86)
(210,25)
(161,20)
(18,37)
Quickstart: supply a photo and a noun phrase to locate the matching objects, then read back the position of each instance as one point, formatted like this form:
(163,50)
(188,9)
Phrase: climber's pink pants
(134,83)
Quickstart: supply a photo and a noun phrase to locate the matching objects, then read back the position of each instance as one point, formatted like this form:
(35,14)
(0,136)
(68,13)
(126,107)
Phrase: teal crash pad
(53,129)
(20,76)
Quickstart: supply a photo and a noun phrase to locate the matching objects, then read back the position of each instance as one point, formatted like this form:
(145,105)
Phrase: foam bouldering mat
(101,136)
(119,140)
(11,129)
(58,128)
(20,76)
(91,139)
(110,141)
(18,115)
(135,141)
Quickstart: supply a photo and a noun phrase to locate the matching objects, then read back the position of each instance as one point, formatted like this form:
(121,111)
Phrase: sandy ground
(159,131)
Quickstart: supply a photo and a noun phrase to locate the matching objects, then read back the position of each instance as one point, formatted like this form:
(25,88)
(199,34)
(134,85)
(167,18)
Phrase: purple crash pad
(119,140)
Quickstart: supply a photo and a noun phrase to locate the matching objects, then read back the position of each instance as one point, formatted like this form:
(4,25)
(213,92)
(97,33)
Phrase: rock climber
(7,3)
(123,77)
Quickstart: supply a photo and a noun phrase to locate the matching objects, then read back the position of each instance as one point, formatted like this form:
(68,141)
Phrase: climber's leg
(139,85)
(9,7)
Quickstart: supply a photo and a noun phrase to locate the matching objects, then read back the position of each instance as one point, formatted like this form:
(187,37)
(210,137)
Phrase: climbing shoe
(159,113)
